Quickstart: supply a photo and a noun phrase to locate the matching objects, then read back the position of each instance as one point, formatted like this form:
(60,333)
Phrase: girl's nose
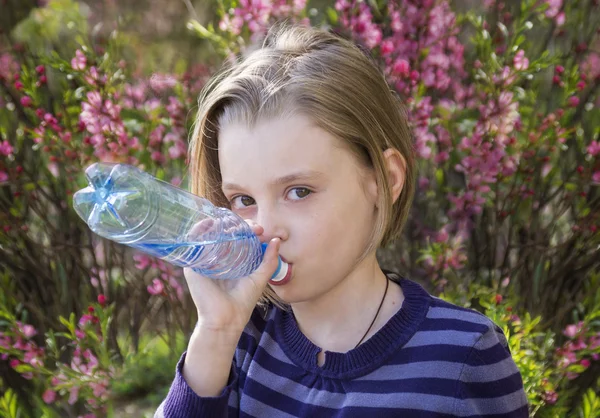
(273,224)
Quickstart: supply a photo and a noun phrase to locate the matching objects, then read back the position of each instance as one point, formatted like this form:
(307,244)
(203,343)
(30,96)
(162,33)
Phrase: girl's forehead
(277,148)
(285,141)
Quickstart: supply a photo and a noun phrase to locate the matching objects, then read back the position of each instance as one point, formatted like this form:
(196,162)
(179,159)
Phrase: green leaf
(570,187)
(24,368)
(8,404)
(439,176)
(332,15)
(68,324)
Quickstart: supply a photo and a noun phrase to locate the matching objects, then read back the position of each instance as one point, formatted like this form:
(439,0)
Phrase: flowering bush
(87,375)
(547,369)
(503,100)
(58,114)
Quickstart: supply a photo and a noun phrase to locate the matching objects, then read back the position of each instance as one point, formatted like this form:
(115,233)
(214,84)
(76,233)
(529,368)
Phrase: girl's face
(302,185)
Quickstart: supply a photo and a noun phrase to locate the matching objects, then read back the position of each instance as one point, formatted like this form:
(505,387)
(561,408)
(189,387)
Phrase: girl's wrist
(218,334)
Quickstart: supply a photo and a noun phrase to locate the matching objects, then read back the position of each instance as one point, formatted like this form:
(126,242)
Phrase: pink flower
(520,61)
(594,148)
(79,62)
(6,148)
(442,235)
(49,396)
(99,389)
(358,18)
(26,101)
(571,330)
(85,319)
(5,341)
(596,177)
(157,156)
(505,78)
(573,101)
(93,77)
(550,397)
(92,360)
(73,395)
(156,287)
(94,99)
(387,47)
(31,357)
(176,286)
(8,66)
(142,261)
(591,66)
(3,176)
(553,7)
(567,359)
(27,330)
(257,15)
(177,150)
(401,68)
(162,82)
(174,107)
(20,344)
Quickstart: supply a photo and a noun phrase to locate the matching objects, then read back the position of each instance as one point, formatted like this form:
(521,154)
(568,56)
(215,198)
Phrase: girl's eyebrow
(289,178)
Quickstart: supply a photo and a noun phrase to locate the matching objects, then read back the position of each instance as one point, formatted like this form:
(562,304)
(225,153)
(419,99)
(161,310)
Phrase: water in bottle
(129,206)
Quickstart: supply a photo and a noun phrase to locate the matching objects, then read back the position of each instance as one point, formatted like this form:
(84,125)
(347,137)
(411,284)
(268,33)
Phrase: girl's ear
(396,170)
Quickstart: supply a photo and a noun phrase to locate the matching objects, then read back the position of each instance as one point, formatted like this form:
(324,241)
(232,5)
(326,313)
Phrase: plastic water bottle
(129,206)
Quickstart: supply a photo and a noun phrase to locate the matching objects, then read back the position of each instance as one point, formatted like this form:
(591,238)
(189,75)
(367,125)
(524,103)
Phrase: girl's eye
(243,201)
(300,192)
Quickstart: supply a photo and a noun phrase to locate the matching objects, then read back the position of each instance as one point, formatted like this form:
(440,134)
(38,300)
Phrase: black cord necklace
(387,283)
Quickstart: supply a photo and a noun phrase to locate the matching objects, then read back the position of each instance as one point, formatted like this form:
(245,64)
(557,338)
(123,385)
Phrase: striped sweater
(431,359)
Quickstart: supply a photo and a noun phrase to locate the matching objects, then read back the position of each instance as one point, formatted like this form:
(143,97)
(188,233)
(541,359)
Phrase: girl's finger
(256,228)
(261,276)
(201,227)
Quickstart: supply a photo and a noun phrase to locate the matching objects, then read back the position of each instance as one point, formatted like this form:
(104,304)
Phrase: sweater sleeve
(182,401)
(490,383)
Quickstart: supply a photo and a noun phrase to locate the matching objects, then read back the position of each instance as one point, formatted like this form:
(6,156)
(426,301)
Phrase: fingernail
(275,242)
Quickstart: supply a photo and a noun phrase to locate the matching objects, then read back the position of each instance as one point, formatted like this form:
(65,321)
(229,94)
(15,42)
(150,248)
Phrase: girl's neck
(338,319)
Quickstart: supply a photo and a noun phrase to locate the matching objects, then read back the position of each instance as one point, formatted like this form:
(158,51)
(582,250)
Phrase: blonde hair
(328,79)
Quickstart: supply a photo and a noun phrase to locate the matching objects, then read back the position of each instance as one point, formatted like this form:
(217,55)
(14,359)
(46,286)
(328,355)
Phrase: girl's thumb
(269,264)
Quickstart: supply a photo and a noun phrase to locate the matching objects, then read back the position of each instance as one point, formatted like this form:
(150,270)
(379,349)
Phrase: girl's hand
(226,305)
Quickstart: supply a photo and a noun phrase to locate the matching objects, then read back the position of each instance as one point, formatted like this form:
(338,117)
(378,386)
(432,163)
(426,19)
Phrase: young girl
(305,140)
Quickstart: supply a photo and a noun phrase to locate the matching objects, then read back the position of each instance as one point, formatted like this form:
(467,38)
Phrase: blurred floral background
(503,99)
